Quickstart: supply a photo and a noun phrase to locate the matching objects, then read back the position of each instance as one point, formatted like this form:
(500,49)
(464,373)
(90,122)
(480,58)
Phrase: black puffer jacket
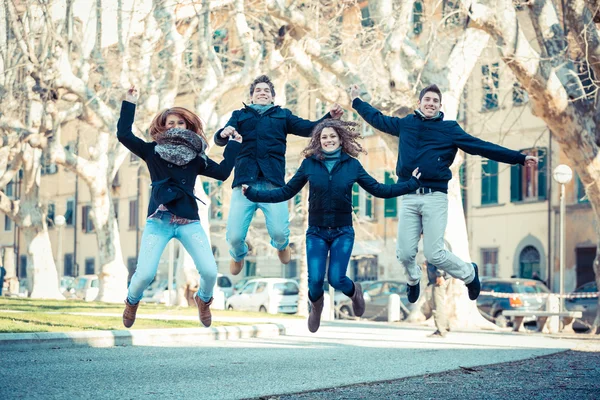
(172,185)
(265,142)
(330,196)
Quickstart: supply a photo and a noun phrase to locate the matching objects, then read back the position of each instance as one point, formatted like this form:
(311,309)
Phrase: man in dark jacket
(261,164)
(429,142)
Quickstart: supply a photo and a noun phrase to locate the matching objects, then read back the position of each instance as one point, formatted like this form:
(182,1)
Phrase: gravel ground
(568,375)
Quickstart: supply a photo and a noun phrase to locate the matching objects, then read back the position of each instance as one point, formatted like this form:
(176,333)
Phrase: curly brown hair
(346,131)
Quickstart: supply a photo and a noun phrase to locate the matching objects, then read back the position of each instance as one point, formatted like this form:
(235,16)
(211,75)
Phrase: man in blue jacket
(261,164)
(429,142)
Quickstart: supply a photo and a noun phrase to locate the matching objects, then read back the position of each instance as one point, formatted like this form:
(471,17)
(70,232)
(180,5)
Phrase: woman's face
(175,121)
(330,140)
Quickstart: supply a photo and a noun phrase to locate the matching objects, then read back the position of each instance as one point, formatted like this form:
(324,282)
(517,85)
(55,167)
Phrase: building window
(519,95)
(366,20)
(489,262)
(214,190)
(69,217)
(51,213)
(529,261)
(291,270)
(87,225)
(364,267)
(47,166)
(116,181)
(291,96)
(529,183)
(462,174)
(362,202)
(116,209)
(10,189)
(580,188)
(489,182)
(7,224)
(250,268)
(390,205)
(68,269)
(23,266)
(417,17)
(490,80)
(90,266)
(133,214)
(221,46)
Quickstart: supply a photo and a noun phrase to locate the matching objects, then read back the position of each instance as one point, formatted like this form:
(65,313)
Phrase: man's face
(430,104)
(262,94)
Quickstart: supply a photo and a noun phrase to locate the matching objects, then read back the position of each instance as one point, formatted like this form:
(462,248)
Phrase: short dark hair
(262,79)
(431,88)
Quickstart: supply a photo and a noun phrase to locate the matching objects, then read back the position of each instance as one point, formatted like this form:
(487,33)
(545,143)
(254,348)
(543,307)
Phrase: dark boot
(314,318)
(204,310)
(412,292)
(129,314)
(475,286)
(358,300)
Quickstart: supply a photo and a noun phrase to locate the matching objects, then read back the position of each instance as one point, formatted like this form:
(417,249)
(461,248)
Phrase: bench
(542,318)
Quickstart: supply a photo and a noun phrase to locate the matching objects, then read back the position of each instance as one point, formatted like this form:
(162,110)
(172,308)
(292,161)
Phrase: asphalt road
(340,354)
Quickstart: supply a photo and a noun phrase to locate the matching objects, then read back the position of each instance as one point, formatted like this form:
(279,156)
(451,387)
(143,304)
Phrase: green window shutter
(390,205)
(542,174)
(515,183)
(489,182)
(206,187)
(355,198)
(368,205)
(462,173)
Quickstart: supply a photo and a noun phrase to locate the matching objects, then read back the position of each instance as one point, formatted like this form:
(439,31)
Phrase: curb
(142,337)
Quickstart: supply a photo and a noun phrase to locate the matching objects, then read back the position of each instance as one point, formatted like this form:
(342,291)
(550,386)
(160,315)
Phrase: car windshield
(81,283)
(286,289)
(529,288)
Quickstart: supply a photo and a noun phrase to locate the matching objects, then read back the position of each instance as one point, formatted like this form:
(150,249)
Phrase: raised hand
(227,131)
(336,111)
(236,137)
(416,173)
(132,95)
(530,161)
(354,91)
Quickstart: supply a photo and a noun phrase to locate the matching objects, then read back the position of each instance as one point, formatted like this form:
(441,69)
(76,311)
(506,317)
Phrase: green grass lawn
(21,322)
(30,315)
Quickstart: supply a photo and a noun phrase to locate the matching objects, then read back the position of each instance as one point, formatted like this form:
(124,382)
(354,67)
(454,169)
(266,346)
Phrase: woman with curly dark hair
(331,168)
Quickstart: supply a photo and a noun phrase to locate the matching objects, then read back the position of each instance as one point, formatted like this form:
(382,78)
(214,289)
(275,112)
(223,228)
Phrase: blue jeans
(241,212)
(337,244)
(157,233)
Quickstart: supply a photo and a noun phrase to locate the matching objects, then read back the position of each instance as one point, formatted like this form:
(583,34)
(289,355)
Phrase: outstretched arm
(377,189)
(280,194)
(476,146)
(222,171)
(376,119)
(124,126)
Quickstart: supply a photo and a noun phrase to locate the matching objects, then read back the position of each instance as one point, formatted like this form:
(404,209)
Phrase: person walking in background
(331,169)
(261,163)
(174,159)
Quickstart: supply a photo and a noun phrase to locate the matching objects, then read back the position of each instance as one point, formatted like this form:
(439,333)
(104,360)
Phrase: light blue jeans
(241,212)
(157,233)
(427,213)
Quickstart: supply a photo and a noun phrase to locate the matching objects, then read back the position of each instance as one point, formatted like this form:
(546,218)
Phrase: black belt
(425,190)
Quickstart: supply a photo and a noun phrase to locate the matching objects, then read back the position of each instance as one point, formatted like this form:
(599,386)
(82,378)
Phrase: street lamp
(562,175)
(59,222)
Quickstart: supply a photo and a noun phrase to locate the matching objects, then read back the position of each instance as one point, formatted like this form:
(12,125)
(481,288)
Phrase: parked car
(67,286)
(376,295)
(87,287)
(242,282)
(272,295)
(491,306)
(587,305)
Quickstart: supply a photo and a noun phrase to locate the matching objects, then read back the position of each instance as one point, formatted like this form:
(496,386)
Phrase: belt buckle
(421,190)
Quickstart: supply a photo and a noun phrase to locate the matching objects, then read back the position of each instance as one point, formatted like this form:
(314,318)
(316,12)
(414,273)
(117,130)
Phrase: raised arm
(375,118)
(476,146)
(124,129)
(222,170)
(227,130)
(280,194)
(377,189)
(302,127)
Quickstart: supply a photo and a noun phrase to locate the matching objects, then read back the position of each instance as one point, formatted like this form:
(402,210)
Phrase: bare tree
(561,78)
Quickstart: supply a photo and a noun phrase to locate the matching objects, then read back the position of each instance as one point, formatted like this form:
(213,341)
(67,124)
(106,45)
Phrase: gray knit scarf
(180,146)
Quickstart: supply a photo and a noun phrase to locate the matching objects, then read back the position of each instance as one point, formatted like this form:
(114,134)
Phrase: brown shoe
(358,300)
(285,255)
(204,310)
(235,267)
(129,314)
(314,317)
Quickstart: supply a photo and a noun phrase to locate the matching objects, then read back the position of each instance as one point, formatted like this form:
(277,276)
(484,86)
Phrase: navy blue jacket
(265,142)
(172,185)
(330,196)
(431,145)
